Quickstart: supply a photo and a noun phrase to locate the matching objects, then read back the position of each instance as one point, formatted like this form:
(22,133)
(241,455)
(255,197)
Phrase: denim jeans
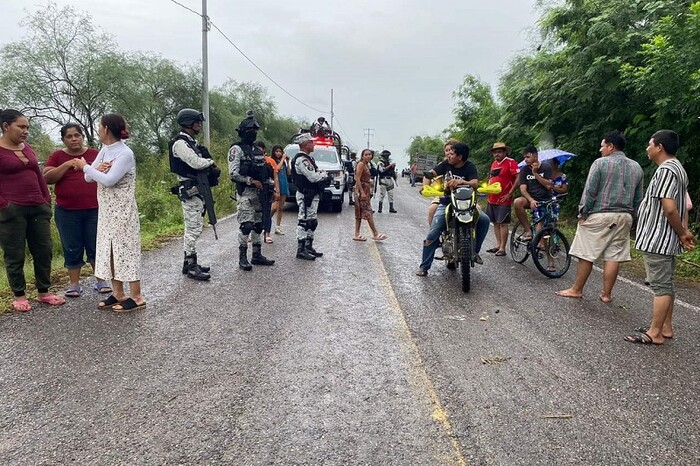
(78,232)
(438,226)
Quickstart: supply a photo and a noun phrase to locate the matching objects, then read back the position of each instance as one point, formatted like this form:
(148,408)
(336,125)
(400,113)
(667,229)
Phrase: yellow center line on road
(439,413)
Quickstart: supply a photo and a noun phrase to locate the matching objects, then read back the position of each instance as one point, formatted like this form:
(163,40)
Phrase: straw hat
(500,145)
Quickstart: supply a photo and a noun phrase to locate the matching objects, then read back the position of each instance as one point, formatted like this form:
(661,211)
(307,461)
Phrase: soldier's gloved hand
(216,171)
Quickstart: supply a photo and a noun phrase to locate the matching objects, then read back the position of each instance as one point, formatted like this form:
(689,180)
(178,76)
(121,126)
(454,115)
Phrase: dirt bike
(459,237)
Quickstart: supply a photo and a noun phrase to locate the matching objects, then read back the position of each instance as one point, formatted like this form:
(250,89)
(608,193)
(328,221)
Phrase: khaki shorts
(660,270)
(603,235)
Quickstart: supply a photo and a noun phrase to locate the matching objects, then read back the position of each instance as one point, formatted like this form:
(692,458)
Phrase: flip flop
(606,299)
(359,238)
(380,237)
(500,253)
(492,250)
(646,329)
(268,240)
(73,291)
(128,305)
(102,286)
(561,294)
(642,339)
(51,300)
(21,305)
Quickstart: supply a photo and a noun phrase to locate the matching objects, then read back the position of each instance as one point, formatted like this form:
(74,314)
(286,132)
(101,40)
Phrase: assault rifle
(204,190)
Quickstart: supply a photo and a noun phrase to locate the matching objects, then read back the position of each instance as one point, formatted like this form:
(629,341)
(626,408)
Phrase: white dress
(118,227)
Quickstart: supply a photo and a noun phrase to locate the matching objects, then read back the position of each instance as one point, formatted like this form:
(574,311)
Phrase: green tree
(62,71)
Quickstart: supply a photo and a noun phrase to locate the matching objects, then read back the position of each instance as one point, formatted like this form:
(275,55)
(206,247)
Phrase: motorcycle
(461,216)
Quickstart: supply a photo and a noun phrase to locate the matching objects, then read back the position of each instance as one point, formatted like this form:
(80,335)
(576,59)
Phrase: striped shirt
(654,232)
(615,184)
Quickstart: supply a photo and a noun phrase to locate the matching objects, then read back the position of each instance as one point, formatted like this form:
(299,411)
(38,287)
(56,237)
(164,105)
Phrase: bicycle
(549,247)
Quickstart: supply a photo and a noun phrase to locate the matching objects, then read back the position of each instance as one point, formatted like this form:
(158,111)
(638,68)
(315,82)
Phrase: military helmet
(189,116)
(250,123)
(385,154)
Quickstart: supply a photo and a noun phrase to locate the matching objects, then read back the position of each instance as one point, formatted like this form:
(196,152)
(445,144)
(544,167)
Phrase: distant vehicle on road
(425,162)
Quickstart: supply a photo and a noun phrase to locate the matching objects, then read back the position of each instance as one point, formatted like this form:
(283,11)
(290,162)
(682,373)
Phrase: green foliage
(434,145)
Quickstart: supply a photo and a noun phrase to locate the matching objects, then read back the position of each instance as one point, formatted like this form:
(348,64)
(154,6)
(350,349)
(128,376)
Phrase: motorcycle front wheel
(466,257)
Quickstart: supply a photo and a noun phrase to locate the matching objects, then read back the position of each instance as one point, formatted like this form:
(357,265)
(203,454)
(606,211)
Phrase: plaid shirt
(614,184)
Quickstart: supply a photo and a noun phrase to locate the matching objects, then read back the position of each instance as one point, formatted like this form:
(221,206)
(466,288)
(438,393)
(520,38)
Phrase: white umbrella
(548,154)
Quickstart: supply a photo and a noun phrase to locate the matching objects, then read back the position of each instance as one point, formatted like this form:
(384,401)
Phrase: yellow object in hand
(493,188)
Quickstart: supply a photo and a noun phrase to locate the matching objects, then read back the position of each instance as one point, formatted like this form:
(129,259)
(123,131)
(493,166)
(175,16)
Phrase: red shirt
(72,191)
(505,172)
(21,184)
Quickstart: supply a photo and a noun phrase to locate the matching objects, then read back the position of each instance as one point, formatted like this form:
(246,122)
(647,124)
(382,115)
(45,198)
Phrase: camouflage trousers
(305,214)
(386,187)
(192,210)
(249,211)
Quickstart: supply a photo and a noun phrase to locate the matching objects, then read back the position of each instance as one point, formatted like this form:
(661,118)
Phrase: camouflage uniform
(249,204)
(307,215)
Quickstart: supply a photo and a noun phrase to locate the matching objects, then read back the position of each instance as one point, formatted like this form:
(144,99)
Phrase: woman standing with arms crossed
(118,252)
(76,206)
(25,212)
(282,171)
(363,206)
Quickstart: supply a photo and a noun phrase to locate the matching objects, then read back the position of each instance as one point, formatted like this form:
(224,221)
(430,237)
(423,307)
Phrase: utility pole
(331,110)
(205,74)
(369,132)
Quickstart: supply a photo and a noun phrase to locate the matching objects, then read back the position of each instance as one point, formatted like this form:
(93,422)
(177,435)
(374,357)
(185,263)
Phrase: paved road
(349,360)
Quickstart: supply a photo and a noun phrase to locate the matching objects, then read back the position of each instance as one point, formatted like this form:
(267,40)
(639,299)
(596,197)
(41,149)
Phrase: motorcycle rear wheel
(466,257)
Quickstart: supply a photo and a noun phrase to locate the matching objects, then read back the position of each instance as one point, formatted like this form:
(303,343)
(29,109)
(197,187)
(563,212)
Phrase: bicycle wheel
(551,252)
(519,249)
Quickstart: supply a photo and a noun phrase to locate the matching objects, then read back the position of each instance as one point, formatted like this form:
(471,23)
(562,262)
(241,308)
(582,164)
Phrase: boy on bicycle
(535,186)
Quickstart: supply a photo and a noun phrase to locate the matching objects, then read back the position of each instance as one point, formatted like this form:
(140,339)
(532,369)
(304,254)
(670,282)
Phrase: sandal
(359,238)
(380,237)
(73,291)
(525,237)
(646,329)
(51,300)
(128,305)
(21,305)
(642,339)
(500,253)
(268,240)
(102,286)
(605,298)
(492,250)
(108,303)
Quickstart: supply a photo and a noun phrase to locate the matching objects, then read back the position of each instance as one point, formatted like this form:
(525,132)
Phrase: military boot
(193,270)
(243,258)
(310,248)
(380,208)
(391,208)
(258,258)
(186,262)
(302,253)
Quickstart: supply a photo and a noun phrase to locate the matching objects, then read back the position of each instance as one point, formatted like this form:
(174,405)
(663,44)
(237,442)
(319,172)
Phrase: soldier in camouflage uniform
(310,183)
(387,180)
(248,169)
(187,158)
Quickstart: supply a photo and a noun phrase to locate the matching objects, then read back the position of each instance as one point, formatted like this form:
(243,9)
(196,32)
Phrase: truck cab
(327,159)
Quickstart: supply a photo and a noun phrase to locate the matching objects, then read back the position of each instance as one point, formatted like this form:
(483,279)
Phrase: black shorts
(498,213)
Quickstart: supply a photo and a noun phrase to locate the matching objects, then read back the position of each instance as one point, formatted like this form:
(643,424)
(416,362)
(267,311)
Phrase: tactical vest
(300,181)
(253,164)
(177,165)
(390,173)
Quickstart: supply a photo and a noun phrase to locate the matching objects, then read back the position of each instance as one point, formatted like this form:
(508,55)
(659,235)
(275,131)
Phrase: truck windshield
(324,155)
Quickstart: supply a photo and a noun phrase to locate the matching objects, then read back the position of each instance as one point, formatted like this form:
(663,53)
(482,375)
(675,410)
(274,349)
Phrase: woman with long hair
(25,212)
(281,160)
(363,206)
(118,255)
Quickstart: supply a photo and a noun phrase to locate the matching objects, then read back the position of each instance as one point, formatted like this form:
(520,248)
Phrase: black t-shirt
(465,172)
(534,187)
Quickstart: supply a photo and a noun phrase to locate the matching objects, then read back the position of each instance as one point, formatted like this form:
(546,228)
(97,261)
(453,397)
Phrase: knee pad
(246,227)
(312,224)
(258,228)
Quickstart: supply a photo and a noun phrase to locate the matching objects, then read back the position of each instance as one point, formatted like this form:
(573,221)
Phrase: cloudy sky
(393,64)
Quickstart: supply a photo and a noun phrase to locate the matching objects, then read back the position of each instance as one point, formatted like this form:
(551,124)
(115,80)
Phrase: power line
(344,132)
(251,61)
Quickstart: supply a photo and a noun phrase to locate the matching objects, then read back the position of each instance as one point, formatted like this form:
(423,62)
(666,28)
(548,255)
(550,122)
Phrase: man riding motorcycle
(457,171)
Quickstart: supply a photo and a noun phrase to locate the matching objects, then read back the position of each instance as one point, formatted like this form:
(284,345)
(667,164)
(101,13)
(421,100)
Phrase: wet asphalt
(351,359)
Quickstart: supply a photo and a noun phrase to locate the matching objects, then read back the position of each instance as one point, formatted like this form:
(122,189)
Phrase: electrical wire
(251,61)
(350,141)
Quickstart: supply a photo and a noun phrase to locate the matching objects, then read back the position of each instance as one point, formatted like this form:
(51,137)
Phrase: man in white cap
(310,183)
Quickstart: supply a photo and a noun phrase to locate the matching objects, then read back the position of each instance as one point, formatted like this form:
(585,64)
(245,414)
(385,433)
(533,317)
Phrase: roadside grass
(161,219)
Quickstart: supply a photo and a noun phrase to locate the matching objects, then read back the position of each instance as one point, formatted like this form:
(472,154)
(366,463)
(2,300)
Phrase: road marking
(647,290)
(439,414)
